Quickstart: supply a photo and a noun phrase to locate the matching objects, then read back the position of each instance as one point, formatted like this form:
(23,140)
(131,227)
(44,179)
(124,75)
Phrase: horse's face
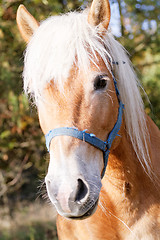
(88,101)
(74,174)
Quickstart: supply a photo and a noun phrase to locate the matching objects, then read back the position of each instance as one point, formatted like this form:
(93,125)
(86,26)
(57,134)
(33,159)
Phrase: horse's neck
(128,194)
(125,174)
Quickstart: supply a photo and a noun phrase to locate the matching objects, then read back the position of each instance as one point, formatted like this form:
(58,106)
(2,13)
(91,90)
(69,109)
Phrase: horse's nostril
(82,191)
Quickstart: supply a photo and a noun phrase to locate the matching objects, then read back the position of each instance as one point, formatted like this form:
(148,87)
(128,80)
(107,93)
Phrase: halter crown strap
(89,137)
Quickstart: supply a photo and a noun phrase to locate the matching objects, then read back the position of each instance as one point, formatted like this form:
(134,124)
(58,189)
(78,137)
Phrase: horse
(103,174)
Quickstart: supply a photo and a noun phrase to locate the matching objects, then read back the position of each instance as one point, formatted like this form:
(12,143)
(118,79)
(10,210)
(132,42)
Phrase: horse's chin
(87,214)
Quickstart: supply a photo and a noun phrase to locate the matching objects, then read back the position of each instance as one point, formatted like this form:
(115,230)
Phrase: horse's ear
(27,24)
(99,13)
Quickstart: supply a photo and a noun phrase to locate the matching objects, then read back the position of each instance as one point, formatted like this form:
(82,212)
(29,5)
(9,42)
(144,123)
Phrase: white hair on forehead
(62,41)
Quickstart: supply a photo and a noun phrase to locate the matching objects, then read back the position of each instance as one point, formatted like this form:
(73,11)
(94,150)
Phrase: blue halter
(89,137)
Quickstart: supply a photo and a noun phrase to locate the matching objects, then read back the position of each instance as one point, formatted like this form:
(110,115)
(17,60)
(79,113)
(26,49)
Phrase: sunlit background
(25,213)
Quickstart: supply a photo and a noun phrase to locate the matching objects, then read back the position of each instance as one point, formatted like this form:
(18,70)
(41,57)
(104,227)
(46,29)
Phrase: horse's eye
(100,82)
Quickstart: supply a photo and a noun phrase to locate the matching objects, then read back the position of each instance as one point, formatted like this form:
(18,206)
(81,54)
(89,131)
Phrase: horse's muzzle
(76,202)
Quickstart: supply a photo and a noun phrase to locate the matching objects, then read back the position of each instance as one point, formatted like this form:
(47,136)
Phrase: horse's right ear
(27,24)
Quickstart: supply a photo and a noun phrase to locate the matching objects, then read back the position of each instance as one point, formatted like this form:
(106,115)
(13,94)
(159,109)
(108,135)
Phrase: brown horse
(79,77)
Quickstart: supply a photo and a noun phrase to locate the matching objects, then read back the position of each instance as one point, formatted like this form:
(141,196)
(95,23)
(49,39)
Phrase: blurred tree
(140,35)
(144,35)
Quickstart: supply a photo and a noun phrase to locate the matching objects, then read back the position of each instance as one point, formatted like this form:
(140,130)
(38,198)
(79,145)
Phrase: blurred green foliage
(34,231)
(22,146)
(140,34)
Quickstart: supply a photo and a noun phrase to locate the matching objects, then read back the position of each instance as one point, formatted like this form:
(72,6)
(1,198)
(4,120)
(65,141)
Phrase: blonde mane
(62,41)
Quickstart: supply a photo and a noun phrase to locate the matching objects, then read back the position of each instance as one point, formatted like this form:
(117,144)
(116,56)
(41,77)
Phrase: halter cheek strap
(89,137)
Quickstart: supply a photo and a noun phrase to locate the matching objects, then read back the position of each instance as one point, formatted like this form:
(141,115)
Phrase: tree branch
(121,17)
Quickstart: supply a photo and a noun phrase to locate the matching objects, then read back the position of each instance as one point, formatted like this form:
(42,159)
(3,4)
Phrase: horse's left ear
(27,24)
(99,13)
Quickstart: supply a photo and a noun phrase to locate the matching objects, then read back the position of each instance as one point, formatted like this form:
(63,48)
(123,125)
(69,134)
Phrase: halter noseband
(89,137)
